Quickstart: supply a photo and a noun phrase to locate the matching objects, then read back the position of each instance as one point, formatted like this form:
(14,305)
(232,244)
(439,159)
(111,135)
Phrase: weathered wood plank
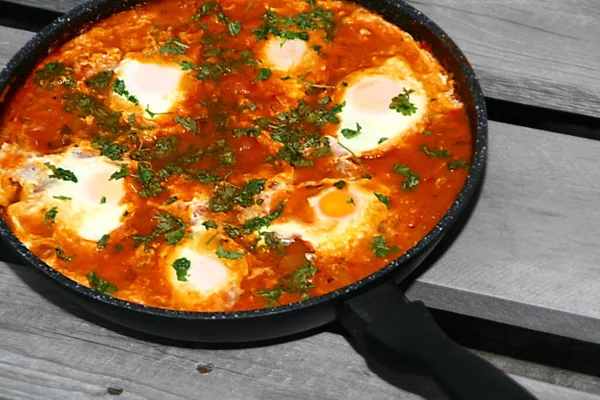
(11,41)
(542,52)
(47,351)
(528,256)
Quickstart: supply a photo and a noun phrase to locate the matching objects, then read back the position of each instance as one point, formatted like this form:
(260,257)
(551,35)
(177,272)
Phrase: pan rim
(456,209)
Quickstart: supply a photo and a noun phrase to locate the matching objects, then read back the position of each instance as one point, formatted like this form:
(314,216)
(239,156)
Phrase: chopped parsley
(351,201)
(120,174)
(350,133)
(402,104)
(169,226)
(61,198)
(381,140)
(427,133)
(110,150)
(232,255)
(381,248)
(103,200)
(173,46)
(171,200)
(263,74)
(251,131)
(411,179)
(188,123)
(254,224)
(384,199)
(119,88)
(297,282)
(50,215)
(153,114)
(289,28)
(54,72)
(227,196)
(442,152)
(61,254)
(103,242)
(210,224)
(182,266)
(60,173)
(340,184)
(234,28)
(101,80)
(101,285)
(151,186)
(455,164)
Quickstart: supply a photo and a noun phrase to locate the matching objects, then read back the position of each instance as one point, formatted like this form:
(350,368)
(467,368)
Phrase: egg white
(333,236)
(367,98)
(90,207)
(156,87)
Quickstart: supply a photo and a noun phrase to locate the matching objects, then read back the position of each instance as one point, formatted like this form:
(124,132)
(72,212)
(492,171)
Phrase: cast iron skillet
(373,309)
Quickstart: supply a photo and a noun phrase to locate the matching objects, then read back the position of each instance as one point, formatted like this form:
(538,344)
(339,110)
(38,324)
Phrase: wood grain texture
(48,351)
(11,41)
(528,255)
(543,52)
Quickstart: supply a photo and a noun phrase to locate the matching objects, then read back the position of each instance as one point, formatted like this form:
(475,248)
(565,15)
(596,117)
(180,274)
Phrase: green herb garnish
(411,179)
(60,173)
(402,104)
(442,152)
(103,242)
(350,133)
(101,285)
(381,248)
(60,253)
(182,266)
(384,199)
(50,215)
(119,88)
(232,255)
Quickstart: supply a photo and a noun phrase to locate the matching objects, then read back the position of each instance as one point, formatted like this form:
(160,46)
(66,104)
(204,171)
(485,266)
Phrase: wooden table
(527,256)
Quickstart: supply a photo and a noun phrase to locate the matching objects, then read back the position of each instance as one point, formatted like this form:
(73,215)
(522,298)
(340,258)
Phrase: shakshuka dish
(231,155)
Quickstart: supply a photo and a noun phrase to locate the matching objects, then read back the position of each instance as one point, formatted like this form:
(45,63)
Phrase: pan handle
(392,330)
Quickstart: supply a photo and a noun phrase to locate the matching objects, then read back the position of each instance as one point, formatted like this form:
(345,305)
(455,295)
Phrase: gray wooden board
(543,52)
(49,352)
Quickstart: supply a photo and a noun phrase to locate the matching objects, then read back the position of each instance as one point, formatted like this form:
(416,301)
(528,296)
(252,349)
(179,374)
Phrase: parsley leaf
(151,186)
(381,140)
(100,80)
(50,215)
(182,266)
(171,227)
(103,242)
(232,255)
(455,164)
(54,72)
(411,179)
(297,282)
(256,223)
(263,74)
(170,200)
(110,150)
(101,285)
(384,199)
(188,123)
(381,248)
(173,46)
(120,174)
(60,253)
(234,28)
(61,197)
(210,224)
(442,152)
(119,88)
(60,173)
(340,184)
(402,104)
(350,133)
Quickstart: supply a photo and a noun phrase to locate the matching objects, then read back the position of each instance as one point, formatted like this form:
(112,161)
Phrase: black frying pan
(373,310)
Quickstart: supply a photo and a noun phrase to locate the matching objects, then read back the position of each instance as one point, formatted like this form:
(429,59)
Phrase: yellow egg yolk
(337,204)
